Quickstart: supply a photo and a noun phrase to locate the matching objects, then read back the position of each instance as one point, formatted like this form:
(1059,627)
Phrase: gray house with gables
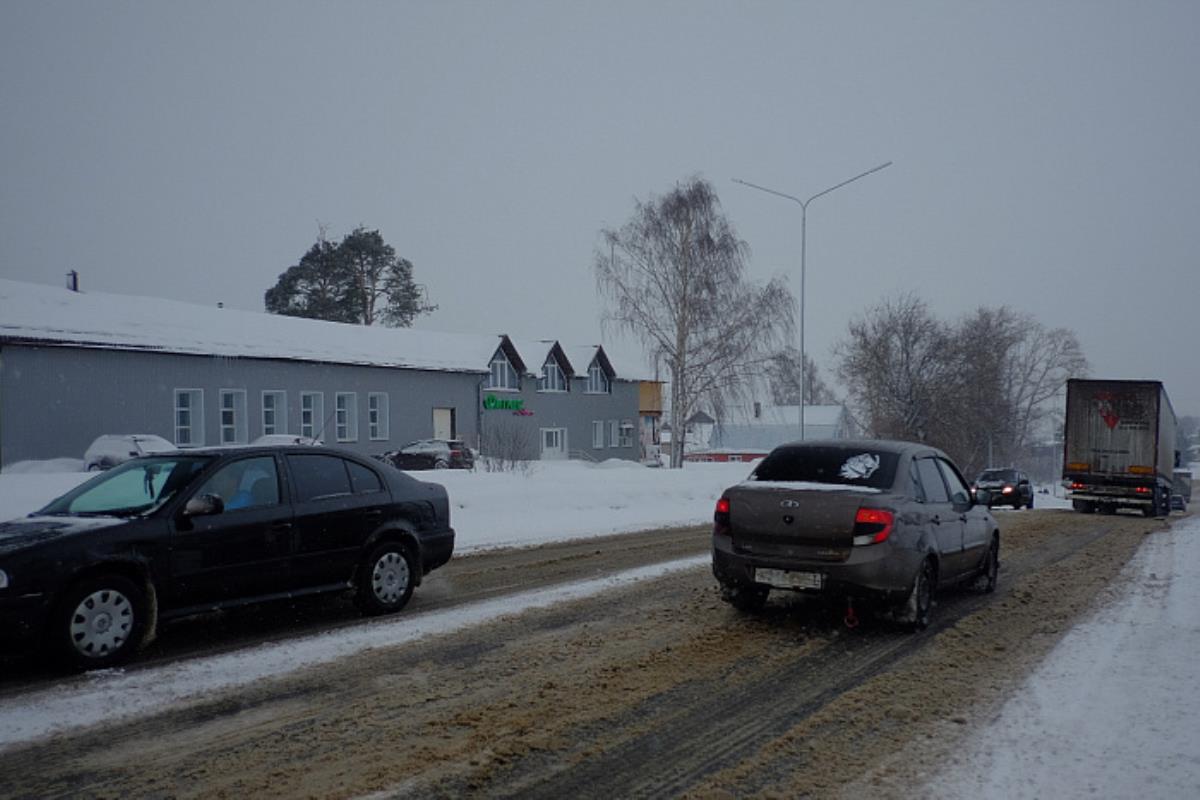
(77,365)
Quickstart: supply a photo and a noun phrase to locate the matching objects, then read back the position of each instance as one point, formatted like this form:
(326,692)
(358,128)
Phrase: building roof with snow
(760,428)
(39,314)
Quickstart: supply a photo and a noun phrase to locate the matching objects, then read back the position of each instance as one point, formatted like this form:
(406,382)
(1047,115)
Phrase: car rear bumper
(436,548)
(879,570)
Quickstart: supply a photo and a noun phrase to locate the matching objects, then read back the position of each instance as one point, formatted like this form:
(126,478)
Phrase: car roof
(879,445)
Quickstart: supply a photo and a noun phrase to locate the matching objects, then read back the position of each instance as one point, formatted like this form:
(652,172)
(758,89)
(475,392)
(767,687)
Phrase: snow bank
(1113,710)
(552,501)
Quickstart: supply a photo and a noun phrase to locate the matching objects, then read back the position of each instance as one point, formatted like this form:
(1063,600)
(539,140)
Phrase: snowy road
(649,687)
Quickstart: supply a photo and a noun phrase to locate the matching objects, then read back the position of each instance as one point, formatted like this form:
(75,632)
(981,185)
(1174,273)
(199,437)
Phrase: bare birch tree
(674,276)
(980,389)
(894,367)
(784,377)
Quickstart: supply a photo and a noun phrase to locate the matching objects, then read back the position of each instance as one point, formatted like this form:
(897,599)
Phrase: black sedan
(176,534)
(431,454)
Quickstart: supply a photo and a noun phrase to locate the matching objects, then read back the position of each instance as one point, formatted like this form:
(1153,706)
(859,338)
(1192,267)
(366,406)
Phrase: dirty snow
(110,695)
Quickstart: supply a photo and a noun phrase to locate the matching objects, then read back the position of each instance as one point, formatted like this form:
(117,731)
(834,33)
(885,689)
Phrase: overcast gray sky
(1046,155)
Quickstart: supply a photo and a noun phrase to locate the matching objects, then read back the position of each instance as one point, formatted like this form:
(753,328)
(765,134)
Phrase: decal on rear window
(860,467)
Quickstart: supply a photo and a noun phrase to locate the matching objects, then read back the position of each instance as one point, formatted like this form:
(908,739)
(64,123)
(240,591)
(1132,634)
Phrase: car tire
(441,463)
(93,467)
(749,599)
(1029,505)
(985,581)
(100,622)
(913,613)
(386,579)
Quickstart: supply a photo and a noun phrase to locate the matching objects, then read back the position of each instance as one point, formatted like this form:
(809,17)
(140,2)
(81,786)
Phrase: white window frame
(345,416)
(377,417)
(626,433)
(503,377)
(278,410)
(598,434)
(314,427)
(553,378)
(233,432)
(614,433)
(597,380)
(195,412)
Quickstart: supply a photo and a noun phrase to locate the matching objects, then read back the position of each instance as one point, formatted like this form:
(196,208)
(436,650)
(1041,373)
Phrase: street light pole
(803,248)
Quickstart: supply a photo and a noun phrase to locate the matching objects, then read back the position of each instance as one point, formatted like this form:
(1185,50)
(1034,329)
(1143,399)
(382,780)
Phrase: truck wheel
(1083,506)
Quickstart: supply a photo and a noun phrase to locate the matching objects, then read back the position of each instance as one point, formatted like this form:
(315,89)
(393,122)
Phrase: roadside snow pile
(1112,711)
(551,501)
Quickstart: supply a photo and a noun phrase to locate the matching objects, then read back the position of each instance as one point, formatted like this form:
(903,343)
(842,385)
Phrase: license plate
(787,579)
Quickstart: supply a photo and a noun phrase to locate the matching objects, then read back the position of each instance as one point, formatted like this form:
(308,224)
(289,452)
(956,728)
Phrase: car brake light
(873,525)
(721,517)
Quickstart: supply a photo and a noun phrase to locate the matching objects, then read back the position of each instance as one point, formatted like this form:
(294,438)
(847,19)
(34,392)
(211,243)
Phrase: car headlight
(3,579)
(1007,490)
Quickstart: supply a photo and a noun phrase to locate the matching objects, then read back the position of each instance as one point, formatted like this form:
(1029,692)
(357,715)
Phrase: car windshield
(855,466)
(134,488)
(997,475)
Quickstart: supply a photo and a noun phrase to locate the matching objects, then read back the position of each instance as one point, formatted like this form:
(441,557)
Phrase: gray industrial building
(75,365)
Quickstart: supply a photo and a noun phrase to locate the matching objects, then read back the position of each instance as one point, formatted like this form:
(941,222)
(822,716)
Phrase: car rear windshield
(997,475)
(856,466)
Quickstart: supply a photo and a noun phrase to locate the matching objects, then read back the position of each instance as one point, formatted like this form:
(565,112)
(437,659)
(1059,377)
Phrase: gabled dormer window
(503,375)
(552,379)
(597,380)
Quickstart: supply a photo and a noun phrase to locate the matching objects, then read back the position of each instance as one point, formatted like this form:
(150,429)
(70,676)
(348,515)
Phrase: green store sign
(493,403)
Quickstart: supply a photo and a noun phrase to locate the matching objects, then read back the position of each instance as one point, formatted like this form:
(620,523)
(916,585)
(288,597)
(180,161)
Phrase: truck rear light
(1077,486)
(721,517)
(1140,470)
(1143,490)
(1079,466)
(873,525)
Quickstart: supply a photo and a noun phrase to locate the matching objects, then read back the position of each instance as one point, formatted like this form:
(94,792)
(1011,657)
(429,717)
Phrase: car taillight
(721,517)
(873,525)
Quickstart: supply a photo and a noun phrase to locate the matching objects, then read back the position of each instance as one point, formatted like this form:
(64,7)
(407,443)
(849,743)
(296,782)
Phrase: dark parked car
(431,454)
(1006,487)
(171,535)
(878,521)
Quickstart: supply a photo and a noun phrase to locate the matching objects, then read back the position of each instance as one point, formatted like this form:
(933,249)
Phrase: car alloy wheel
(914,610)
(102,621)
(390,578)
(386,580)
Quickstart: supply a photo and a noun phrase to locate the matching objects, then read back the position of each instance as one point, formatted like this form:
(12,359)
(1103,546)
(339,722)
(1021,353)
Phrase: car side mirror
(983,497)
(204,505)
